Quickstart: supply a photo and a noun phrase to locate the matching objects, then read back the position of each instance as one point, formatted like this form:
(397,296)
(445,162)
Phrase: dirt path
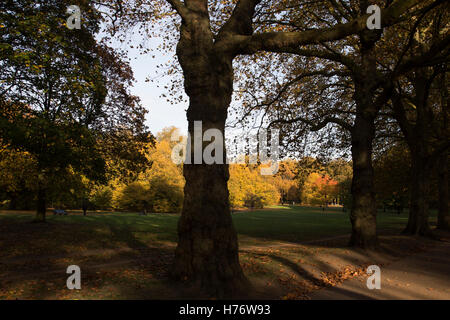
(280,245)
(412,268)
(423,275)
(144,255)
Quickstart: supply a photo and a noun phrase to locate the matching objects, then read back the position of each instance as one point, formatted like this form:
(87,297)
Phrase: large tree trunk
(421,148)
(363,212)
(420,183)
(207,252)
(13,201)
(41,205)
(443,215)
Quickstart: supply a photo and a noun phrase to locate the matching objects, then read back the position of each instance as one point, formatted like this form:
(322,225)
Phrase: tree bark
(420,183)
(207,251)
(13,201)
(363,212)
(418,137)
(41,205)
(443,215)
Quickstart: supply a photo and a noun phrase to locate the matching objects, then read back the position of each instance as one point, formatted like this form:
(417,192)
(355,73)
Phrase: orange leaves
(333,279)
(319,189)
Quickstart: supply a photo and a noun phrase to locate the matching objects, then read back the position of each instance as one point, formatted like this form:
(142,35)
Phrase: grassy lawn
(297,224)
(125,255)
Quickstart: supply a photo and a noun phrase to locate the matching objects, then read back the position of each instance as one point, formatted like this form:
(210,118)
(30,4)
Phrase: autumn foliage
(319,189)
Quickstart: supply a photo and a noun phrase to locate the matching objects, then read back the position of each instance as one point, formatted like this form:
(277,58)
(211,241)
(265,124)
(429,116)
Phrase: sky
(161,113)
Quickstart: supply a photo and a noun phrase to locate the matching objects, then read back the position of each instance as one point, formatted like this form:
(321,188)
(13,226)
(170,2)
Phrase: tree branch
(437,53)
(180,8)
(241,21)
(288,84)
(315,126)
(328,55)
(399,114)
(287,41)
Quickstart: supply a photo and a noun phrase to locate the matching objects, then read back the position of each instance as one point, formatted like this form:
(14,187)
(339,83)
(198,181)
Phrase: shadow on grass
(34,257)
(43,251)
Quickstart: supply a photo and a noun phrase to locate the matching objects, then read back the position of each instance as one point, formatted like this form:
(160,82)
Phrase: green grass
(296,224)
(148,242)
(278,223)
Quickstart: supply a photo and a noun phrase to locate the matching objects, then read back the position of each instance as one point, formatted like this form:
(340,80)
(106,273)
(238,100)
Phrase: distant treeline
(159,186)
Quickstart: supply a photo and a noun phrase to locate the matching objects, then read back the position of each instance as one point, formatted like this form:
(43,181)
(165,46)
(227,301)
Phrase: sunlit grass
(269,241)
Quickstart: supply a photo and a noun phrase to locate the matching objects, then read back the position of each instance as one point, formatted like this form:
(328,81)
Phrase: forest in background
(158,185)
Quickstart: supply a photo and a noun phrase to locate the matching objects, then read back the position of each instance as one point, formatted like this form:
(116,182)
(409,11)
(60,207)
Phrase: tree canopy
(63,94)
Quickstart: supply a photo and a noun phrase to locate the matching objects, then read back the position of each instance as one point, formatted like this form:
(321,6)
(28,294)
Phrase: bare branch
(241,20)
(180,8)
(287,41)
(437,53)
(328,55)
(315,126)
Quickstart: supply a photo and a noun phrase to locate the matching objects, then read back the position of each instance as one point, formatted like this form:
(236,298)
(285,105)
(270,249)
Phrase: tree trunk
(363,211)
(13,201)
(419,139)
(207,251)
(41,205)
(443,215)
(420,182)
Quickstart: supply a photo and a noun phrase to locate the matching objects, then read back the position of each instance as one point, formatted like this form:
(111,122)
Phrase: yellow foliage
(248,188)
(319,189)
(158,189)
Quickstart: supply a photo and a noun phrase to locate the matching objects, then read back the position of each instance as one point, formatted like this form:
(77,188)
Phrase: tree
(286,181)
(443,215)
(135,196)
(249,189)
(62,94)
(158,188)
(349,85)
(210,40)
(420,107)
(427,141)
(18,173)
(101,198)
(392,171)
(165,178)
(319,189)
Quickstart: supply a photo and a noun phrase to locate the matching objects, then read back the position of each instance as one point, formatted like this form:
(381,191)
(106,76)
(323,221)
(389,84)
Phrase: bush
(134,197)
(248,188)
(253,202)
(102,197)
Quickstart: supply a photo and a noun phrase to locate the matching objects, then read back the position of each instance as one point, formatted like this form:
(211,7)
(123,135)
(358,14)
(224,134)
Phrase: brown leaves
(333,279)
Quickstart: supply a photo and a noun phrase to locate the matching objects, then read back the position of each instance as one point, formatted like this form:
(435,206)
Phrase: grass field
(125,255)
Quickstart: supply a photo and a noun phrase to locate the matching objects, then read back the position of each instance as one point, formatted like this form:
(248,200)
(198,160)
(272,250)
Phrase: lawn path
(144,256)
(424,275)
(278,245)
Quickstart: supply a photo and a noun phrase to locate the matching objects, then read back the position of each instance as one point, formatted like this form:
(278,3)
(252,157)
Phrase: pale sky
(161,113)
